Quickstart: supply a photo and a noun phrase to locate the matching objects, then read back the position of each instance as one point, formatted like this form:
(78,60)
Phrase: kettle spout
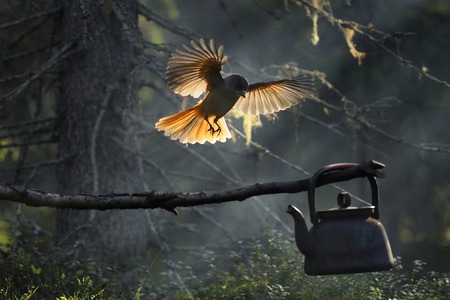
(305,242)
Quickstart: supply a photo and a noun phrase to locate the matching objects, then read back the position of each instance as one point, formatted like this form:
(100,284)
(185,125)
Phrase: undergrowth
(269,267)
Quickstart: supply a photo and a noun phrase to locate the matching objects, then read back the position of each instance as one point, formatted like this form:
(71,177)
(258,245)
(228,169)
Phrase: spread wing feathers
(269,97)
(189,126)
(191,71)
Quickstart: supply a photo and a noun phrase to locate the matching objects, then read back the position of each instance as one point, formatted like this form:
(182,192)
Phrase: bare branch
(93,145)
(432,147)
(58,57)
(269,153)
(29,143)
(422,71)
(35,166)
(24,54)
(171,200)
(27,123)
(151,16)
(231,18)
(355,113)
(29,17)
(331,127)
(363,30)
(17,76)
(29,128)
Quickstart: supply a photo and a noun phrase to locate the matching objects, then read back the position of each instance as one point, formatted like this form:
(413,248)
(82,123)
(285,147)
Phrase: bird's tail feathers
(189,126)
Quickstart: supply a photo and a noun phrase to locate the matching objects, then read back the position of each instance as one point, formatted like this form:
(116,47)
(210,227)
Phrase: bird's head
(237,83)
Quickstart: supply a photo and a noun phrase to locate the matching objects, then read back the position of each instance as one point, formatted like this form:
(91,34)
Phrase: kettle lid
(345,210)
(349,212)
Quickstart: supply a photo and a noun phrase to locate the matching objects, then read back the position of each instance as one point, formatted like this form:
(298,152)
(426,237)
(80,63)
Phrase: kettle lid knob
(344,200)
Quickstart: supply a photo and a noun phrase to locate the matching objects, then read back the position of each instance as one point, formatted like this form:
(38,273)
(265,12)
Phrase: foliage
(272,268)
(32,268)
(385,109)
(269,267)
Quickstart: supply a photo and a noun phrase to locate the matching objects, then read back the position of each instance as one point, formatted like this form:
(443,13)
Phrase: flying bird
(196,70)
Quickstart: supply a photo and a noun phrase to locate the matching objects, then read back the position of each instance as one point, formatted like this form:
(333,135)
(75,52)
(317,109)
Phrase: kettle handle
(338,167)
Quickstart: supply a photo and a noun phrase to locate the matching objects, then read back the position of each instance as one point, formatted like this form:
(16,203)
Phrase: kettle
(345,239)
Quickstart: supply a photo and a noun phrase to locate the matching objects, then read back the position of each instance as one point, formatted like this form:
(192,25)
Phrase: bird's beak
(243,94)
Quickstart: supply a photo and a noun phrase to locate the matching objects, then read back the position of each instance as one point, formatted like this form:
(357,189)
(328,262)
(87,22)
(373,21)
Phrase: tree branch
(357,114)
(29,17)
(38,165)
(172,200)
(363,30)
(57,58)
(151,16)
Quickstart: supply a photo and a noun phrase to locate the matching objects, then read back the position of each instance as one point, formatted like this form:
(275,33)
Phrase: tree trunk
(98,96)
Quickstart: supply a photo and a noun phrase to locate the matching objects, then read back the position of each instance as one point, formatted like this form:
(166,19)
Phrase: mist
(395,98)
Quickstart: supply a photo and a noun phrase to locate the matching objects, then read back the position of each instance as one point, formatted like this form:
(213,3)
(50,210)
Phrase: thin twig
(93,145)
(230,17)
(207,162)
(24,54)
(400,58)
(355,113)
(29,143)
(38,165)
(32,131)
(330,127)
(29,17)
(432,147)
(151,16)
(359,29)
(269,153)
(27,123)
(55,59)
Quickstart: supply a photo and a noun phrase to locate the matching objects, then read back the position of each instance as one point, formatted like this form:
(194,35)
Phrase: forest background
(82,83)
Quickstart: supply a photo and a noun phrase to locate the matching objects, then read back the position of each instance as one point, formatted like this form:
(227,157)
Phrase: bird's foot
(213,131)
(211,127)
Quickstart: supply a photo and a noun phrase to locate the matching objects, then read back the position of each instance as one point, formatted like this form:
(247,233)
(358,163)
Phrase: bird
(196,69)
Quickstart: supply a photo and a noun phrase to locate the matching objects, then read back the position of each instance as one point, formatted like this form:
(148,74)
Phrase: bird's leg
(218,130)
(211,127)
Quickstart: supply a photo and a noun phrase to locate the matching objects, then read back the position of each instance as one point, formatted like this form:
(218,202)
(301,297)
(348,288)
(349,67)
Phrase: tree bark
(170,201)
(98,93)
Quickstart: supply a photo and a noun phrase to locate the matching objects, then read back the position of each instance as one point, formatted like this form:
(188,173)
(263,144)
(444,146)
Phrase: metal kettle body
(342,240)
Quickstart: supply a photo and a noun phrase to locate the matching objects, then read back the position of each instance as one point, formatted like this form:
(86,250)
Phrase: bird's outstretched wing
(196,69)
(269,97)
